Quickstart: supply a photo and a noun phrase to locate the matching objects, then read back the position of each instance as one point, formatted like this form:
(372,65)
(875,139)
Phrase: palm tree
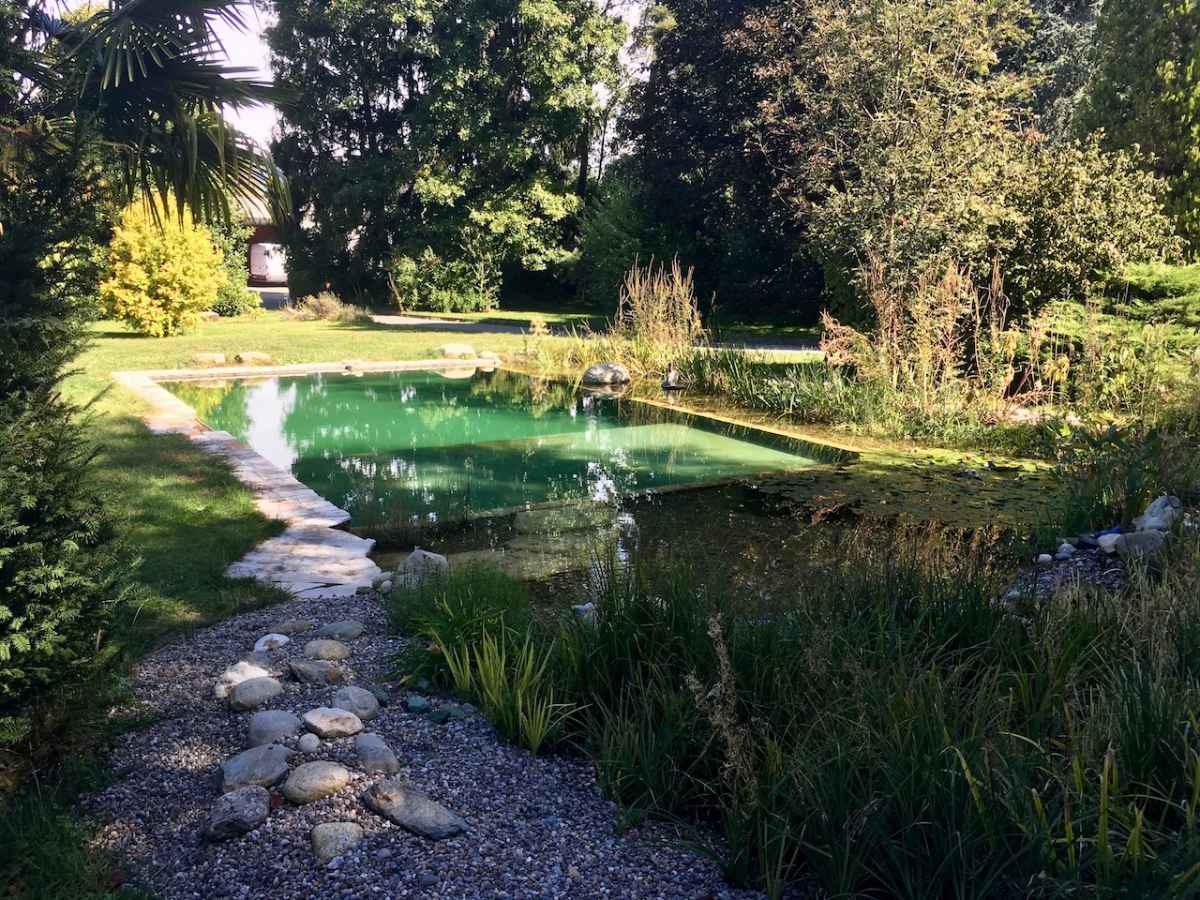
(146,78)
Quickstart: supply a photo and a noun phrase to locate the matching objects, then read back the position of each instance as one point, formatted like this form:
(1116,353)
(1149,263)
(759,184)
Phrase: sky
(247,49)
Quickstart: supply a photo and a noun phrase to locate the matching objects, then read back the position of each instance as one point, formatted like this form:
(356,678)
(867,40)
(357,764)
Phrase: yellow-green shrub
(164,272)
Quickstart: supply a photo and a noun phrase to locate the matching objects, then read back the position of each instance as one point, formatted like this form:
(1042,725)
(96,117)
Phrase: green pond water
(428,445)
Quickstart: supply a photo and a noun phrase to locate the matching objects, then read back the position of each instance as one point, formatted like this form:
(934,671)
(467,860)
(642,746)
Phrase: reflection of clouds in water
(602,487)
(267,407)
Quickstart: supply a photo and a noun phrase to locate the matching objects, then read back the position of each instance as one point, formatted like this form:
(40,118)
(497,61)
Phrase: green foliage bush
(325,306)
(58,573)
(165,272)
(609,239)
(1158,292)
(467,284)
(233,297)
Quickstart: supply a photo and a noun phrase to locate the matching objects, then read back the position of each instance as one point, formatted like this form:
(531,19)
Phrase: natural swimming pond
(437,443)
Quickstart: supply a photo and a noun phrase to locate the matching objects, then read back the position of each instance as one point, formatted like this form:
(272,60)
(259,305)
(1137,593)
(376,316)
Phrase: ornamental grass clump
(892,728)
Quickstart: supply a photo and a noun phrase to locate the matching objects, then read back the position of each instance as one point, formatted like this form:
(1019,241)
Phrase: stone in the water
(308,743)
(418,706)
(272,642)
(342,631)
(607,373)
(235,675)
(294,626)
(357,700)
(375,755)
(268,726)
(237,812)
(327,723)
(316,672)
(330,839)
(412,810)
(309,782)
(253,693)
(264,766)
(457,350)
(325,649)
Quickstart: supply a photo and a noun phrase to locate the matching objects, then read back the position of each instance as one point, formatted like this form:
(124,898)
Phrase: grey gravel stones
(326,722)
(316,672)
(374,755)
(326,649)
(235,675)
(342,631)
(358,701)
(237,812)
(330,839)
(312,781)
(412,810)
(270,725)
(254,692)
(264,766)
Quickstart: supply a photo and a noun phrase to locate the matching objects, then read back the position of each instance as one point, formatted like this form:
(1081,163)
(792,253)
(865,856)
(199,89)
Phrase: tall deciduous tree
(902,135)
(1146,92)
(433,132)
(706,189)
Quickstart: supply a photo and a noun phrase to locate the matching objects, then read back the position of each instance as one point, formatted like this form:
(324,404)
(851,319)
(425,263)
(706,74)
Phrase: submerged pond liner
(430,445)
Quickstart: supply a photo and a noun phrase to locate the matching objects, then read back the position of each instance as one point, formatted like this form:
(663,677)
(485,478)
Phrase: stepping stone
(254,693)
(317,672)
(375,755)
(357,700)
(235,675)
(326,650)
(312,781)
(330,839)
(264,766)
(412,810)
(268,726)
(237,812)
(294,626)
(332,723)
(342,631)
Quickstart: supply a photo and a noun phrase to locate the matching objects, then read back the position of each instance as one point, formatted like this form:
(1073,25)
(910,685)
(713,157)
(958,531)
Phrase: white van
(268,264)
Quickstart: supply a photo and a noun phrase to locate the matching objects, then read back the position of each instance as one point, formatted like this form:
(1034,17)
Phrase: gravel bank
(539,826)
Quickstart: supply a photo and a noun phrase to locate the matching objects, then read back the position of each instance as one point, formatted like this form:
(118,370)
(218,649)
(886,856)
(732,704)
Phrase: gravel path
(539,826)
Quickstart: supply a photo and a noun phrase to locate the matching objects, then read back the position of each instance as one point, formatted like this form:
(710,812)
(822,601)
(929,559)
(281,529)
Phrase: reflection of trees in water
(219,404)
(538,396)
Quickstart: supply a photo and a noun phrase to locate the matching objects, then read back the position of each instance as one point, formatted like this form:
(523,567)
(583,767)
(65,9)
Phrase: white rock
(271,642)
(325,722)
(235,675)
(1108,542)
(1065,551)
(385,586)
(1160,515)
(1044,558)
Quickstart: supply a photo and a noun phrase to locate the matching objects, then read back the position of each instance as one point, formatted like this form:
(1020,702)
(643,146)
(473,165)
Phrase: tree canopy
(434,134)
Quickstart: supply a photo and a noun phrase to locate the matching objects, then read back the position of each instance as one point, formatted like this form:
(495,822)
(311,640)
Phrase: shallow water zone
(439,444)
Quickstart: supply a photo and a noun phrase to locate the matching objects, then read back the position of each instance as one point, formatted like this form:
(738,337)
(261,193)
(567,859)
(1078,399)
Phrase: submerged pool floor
(429,444)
